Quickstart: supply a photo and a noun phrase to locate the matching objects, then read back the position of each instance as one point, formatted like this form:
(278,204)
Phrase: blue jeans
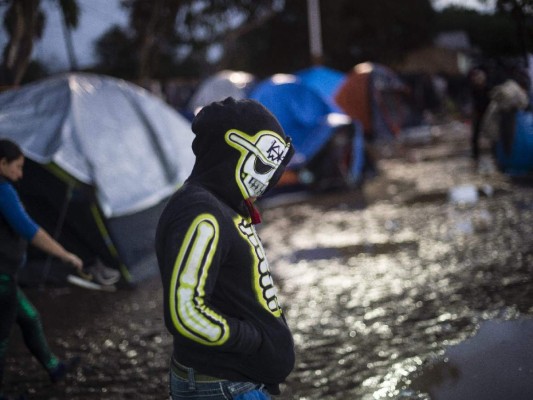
(189,389)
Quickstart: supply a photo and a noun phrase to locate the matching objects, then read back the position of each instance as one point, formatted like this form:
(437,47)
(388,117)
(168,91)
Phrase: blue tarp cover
(520,161)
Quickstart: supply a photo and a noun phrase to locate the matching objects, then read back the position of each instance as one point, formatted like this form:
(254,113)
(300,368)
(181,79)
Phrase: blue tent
(309,118)
(520,161)
(325,81)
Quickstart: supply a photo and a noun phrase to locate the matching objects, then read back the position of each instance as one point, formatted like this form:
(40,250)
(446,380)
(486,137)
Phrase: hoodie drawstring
(254,213)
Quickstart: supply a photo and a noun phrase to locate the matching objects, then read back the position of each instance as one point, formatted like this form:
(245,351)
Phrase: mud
(381,286)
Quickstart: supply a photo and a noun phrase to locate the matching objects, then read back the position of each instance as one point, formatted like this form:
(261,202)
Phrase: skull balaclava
(241,150)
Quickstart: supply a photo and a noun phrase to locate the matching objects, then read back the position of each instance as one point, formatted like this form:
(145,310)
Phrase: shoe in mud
(60,372)
(103,275)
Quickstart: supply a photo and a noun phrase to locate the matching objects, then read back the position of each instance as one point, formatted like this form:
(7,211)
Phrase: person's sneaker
(104,275)
(63,368)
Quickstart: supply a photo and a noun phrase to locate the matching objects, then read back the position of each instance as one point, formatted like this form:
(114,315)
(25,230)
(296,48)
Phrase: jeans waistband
(187,373)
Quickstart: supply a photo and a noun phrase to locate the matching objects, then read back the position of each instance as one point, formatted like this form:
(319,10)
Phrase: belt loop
(192,382)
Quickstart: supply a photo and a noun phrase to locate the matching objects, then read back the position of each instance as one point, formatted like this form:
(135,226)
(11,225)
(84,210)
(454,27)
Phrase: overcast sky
(97,16)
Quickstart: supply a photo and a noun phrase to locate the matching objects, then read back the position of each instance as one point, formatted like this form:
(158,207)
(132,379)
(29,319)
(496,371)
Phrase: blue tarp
(520,161)
(306,116)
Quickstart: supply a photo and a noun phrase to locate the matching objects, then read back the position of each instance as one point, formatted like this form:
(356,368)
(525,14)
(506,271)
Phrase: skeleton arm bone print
(192,316)
(189,313)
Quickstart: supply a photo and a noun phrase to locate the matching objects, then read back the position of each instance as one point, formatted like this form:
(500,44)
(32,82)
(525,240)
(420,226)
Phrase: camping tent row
(102,156)
(318,107)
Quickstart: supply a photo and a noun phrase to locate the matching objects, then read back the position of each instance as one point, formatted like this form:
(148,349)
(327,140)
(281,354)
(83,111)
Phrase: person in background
(16,230)
(231,339)
(506,99)
(479,92)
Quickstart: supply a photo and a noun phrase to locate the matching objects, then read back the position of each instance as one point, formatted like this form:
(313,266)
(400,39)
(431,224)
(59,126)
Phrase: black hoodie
(219,298)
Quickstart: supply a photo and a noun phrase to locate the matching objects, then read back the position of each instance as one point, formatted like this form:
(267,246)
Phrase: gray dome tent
(104,155)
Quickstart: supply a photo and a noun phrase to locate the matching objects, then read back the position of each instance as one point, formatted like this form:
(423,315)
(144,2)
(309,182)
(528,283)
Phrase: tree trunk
(147,44)
(17,53)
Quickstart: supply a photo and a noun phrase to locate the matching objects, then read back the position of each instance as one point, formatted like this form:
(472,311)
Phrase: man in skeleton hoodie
(231,340)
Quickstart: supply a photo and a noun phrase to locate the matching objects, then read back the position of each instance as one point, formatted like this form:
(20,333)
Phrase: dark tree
(379,30)
(352,31)
(169,36)
(115,52)
(521,12)
(71,16)
(24,22)
(493,34)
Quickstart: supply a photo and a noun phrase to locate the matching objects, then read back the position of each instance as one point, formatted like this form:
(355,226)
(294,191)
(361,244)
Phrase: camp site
(398,236)
(103,155)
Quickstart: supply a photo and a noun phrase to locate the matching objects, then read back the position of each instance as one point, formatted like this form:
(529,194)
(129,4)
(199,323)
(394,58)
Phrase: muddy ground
(397,290)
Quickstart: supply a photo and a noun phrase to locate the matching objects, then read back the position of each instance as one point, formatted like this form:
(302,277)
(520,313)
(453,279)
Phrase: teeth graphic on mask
(257,186)
(261,156)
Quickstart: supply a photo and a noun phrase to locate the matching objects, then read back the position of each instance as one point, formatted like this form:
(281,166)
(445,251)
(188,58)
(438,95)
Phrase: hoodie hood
(240,148)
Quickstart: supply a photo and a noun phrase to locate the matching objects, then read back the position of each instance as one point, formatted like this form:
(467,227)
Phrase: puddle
(495,364)
(322,253)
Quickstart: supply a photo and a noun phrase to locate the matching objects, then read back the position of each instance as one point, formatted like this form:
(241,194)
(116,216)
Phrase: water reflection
(496,363)
(373,294)
(378,291)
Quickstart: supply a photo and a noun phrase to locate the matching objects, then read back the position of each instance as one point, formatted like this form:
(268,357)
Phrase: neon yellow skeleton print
(263,284)
(261,156)
(190,316)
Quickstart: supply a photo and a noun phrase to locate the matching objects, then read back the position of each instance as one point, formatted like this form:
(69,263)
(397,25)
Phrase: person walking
(231,338)
(16,230)
(479,92)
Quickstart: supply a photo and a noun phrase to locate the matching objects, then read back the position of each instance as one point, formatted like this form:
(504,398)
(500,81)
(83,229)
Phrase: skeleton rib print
(263,284)
(190,316)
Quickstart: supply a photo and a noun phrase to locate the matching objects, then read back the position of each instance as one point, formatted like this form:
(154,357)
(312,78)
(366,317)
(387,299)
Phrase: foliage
(70,11)
(353,32)
(502,34)
(521,12)
(494,35)
(115,52)
(524,7)
(35,71)
(379,30)
(171,37)
(24,22)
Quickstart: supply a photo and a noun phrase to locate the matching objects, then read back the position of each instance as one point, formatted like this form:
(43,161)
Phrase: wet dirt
(378,285)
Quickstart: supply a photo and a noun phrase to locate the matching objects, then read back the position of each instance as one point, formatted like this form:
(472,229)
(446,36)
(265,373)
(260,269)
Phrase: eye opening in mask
(261,168)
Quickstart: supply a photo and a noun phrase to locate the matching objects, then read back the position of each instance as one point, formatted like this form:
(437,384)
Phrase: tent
(103,156)
(325,81)
(218,86)
(519,162)
(328,143)
(373,94)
